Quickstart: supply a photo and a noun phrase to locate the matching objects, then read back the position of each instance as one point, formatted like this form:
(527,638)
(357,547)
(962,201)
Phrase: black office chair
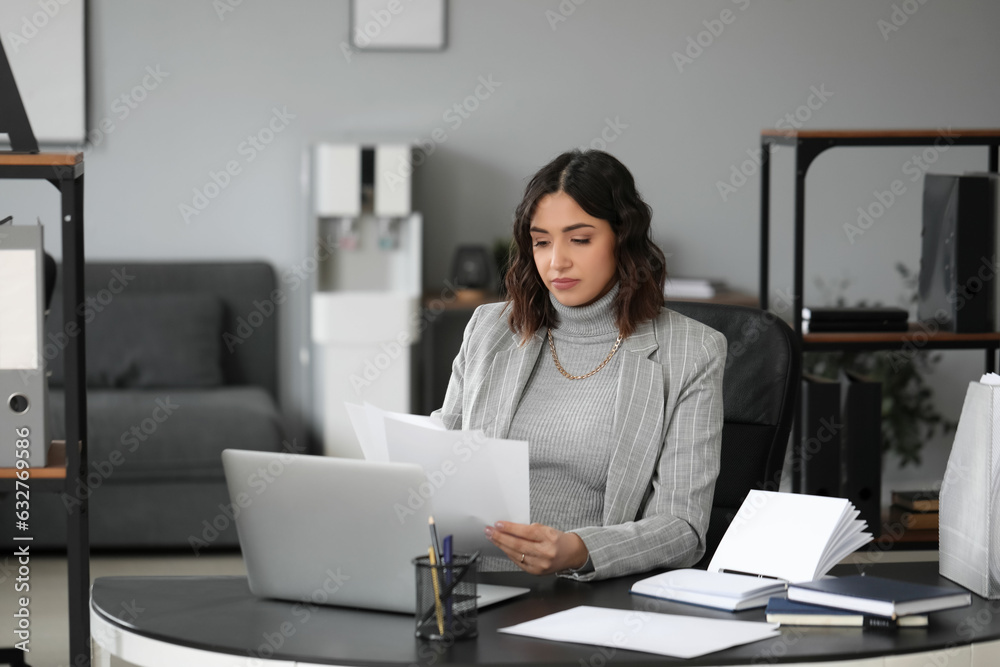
(760,387)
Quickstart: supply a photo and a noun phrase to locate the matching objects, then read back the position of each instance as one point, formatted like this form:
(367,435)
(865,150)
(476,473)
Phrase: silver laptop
(331,531)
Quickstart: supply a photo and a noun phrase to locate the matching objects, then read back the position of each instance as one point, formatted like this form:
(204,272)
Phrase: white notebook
(730,592)
(789,536)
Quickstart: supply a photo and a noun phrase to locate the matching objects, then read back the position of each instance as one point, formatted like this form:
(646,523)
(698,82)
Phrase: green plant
(909,415)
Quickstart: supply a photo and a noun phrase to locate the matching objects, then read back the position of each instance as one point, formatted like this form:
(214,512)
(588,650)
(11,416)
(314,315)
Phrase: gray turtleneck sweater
(567,423)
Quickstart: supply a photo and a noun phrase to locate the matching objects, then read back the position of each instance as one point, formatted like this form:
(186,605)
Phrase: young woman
(619,398)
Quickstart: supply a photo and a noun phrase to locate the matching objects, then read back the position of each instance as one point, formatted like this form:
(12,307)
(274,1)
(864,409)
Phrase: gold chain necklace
(555,358)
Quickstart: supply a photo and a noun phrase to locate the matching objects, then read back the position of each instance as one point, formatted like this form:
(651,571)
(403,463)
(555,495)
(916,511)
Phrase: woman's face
(574,252)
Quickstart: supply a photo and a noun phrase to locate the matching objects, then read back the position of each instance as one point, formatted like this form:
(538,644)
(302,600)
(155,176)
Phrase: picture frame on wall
(46,46)
(398,25)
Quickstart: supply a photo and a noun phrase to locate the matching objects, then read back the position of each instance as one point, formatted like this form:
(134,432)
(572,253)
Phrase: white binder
(23,385)
(969,518)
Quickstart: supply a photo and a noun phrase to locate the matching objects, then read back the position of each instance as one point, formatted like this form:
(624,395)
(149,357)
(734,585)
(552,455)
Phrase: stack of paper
(472,481)
(790,536)
(731,592)
(664,634)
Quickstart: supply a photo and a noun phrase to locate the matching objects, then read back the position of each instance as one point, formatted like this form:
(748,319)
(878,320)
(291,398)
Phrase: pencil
(437,591)
(434,537)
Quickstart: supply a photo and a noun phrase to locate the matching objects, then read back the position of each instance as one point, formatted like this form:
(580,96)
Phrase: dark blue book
(879,596)
(787,612)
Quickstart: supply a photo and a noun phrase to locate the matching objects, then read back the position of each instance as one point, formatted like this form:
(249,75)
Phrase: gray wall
(684,128)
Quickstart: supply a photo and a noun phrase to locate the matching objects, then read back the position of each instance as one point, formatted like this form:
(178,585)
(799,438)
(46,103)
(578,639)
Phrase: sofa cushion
(151,340)
(171,434)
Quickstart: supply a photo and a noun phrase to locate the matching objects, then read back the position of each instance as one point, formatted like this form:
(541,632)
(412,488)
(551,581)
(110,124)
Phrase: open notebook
(790,536)
(775,539)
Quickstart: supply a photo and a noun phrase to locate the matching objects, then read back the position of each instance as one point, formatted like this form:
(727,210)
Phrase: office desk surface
(220,615)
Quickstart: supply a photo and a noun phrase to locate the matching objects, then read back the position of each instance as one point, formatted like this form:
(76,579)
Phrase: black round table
(217,621)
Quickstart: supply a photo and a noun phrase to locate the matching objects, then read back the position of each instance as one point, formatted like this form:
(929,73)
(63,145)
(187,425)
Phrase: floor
(49,643)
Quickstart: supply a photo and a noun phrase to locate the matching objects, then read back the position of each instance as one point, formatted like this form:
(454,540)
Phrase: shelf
(728,298)
(471,299)
(883,135)
(68,467)
(807,146)
(41,159)
(918,336)
(56,469)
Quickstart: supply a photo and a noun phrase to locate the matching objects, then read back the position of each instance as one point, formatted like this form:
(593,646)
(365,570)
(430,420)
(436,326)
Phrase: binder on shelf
(23,385)
(861,447)
(821,436)
(957,283)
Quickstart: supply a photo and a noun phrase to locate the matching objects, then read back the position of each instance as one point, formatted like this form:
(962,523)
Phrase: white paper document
(663,634)
(790,536)
(730,592)
(472,481)
(369,426)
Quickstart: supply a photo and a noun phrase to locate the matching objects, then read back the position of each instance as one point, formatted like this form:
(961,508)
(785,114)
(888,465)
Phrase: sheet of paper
(369,426)
(663,634)
(472,481)
(786,535)
(373,450)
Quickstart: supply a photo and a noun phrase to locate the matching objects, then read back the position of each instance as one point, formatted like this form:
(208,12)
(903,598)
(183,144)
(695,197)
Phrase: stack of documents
(472,481)
(730,592)
(789,536)
(664,634)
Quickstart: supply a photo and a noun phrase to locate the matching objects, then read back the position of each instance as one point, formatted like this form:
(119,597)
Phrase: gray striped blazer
(667,430)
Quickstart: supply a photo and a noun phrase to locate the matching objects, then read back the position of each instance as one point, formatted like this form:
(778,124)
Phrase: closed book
(913,520)
(919,501)
(731,592)
(861,447)
(788,612)
(855,314)
(878,595)
(819,454)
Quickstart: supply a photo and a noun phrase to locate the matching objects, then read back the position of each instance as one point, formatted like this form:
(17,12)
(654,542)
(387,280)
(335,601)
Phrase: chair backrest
(760,387)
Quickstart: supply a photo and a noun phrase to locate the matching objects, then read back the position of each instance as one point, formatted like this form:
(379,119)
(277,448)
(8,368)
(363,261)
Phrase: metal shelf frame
(65,172)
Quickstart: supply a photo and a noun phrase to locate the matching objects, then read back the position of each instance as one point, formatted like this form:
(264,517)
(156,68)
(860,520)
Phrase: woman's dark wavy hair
(605,189)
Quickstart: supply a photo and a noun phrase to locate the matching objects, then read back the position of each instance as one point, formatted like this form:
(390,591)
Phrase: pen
(437,591)
(447,575)
(434,537)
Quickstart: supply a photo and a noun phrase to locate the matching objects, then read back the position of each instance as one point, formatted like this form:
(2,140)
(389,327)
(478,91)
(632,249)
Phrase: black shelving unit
(808,146)
(65,473)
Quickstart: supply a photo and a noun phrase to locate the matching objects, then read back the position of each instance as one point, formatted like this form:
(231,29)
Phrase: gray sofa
(181,364)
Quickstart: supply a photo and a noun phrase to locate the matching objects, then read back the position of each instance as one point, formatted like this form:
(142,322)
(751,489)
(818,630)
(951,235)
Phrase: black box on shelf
(861,447)
(958,262)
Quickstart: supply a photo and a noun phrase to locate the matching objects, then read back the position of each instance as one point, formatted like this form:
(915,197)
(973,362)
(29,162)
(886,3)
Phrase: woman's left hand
(538,549)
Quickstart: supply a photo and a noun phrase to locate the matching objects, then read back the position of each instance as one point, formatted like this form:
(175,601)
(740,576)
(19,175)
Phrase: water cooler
(366,304)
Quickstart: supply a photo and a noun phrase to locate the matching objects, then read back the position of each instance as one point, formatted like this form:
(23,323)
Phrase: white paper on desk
(651,632)
(476,480)
(369,426)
